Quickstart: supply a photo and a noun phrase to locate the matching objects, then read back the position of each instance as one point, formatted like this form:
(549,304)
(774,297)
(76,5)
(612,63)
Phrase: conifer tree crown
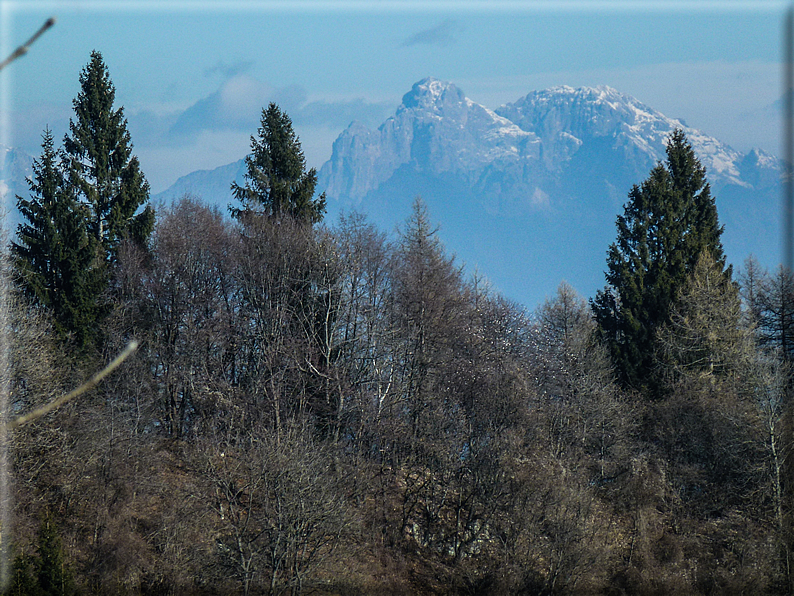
(102,169)
(669,221)
(277,181)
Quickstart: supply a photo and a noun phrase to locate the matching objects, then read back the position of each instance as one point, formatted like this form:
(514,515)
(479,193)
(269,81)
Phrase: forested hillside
(317,409)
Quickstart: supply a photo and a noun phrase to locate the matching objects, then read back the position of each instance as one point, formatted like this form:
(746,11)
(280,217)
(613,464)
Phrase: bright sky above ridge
(194,76)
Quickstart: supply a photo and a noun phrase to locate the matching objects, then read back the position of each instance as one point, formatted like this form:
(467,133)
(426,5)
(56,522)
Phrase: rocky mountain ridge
(15,166)
(518,154)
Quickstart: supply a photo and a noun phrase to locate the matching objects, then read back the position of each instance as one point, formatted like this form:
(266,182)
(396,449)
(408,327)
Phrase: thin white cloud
(237,106)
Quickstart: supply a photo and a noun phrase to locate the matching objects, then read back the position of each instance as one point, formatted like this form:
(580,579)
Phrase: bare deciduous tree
(279,507)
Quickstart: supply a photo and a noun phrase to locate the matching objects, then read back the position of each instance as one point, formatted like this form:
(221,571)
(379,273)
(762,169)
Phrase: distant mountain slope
(522,151)
(436,131)
(213,186)
(567,119)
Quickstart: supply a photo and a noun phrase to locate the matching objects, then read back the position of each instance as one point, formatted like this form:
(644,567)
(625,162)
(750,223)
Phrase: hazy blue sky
(193,76)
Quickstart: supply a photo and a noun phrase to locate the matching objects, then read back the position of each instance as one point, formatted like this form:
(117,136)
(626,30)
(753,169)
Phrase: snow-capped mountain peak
(432,94)
(530,143)
(15,167)
(636,131)
(529,191)
(437,130)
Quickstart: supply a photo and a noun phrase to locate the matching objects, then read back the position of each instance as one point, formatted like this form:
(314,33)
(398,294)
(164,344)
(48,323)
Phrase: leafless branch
(90,384)
(23,49)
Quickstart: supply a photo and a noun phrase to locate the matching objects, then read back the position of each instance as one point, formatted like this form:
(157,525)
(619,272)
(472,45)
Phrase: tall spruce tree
(668,222)
(54,256)
(277,182)
(81,208)
(102,170)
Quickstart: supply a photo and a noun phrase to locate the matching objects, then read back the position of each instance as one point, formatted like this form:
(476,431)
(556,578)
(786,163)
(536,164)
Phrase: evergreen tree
(23,581)
(277,181)
(102,170)
(54,255)
(669,220)
(33,254)
(54,575)
(46,573)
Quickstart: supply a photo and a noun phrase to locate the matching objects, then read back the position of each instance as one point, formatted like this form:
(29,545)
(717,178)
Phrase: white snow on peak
(434,88)
(601,112)
(763,159)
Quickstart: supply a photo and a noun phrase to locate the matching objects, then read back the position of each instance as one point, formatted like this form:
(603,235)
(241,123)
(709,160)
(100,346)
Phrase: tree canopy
(104,173)
(668,222)
(85,199)
(54,255)
(277,181)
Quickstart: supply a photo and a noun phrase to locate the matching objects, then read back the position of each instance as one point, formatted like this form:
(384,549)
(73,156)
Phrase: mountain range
(520,155)
(527,193)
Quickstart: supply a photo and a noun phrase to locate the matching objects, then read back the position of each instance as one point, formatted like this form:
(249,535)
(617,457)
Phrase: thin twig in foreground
(23,49)
(88,385)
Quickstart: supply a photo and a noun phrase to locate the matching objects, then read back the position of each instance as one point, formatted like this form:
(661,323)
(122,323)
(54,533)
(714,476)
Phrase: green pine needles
(277,182)
(54,258)
(84,200)
(103,172)
(46,573)
(669,221)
